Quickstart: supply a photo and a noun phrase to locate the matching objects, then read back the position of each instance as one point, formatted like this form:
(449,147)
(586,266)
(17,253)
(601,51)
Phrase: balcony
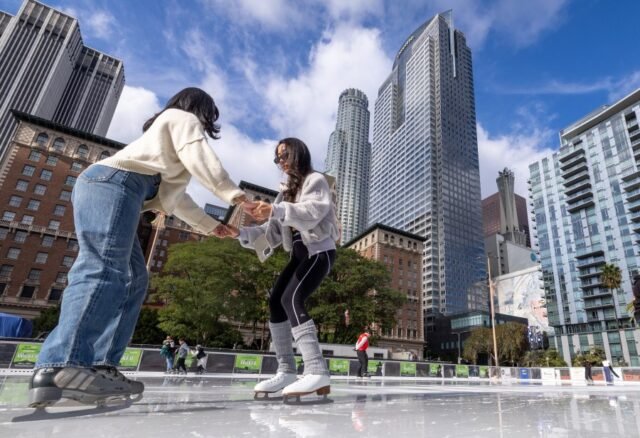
(634,206)
(583,175)
(581,167)
(592,251)
(566,158)
(580,206)
(579,195)
(594,293)
(597,304)
(635,217)
(583,186)
(574,162)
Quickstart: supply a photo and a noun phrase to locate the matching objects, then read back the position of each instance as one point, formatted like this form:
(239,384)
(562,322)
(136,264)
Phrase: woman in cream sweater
(108,281)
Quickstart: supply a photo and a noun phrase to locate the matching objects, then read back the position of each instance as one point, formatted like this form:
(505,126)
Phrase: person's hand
(222,231)
(259,210)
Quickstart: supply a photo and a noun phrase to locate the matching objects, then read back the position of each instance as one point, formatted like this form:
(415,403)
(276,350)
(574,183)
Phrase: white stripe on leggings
(293,306)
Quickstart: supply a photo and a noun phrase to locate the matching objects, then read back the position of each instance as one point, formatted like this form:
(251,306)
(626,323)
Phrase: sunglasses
(280,158)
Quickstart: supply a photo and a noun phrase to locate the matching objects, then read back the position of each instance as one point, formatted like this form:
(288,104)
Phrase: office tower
(491,222)
(401,252)
(348,159)
(46,70)
(586,200)
(424,164)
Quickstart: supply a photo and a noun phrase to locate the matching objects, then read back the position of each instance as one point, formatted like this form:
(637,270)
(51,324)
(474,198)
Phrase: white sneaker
(276,383)
(308,384)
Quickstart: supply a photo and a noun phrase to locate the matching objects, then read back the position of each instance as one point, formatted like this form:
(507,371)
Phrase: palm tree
(611,276)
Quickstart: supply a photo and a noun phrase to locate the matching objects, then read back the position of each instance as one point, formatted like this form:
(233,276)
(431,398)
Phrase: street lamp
(493,314)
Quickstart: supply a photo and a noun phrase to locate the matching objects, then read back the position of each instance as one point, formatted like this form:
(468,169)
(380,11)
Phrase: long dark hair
(298,159)
(198,103)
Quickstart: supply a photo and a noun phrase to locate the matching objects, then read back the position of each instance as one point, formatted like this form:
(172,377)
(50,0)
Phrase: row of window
(34,205)
(34,274)
(41,258)
(22,185)
(27,292)
(27,219)
(47,240)
(35,156)
(59,144)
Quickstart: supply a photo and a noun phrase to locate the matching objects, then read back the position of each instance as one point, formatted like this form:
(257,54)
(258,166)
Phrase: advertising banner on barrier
(247,363)
(130,359)
(577,375)
(630,375)
(462,371)
(339,367)
(548,375)
(25,355)
(524,373)
(407,369)
(435,370)
(484,372)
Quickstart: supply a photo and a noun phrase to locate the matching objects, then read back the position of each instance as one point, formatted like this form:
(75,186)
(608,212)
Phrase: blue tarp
(12,326)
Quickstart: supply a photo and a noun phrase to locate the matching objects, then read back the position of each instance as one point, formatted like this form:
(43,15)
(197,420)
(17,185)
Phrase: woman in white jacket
(302,219)
(108,281)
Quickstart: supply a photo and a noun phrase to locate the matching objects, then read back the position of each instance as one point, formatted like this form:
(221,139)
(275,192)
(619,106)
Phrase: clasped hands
(258,210)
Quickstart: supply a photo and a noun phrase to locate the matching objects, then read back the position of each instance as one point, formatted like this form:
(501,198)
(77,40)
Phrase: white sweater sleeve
(203,163)
(188,211)
(313,205)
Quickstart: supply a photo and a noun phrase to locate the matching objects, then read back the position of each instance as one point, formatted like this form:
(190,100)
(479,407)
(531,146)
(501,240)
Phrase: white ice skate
(273,385)
(308,384)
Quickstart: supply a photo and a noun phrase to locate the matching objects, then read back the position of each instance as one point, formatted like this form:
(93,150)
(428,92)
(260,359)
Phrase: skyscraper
(348,159)
(424,164)
(45,70)
(587,210)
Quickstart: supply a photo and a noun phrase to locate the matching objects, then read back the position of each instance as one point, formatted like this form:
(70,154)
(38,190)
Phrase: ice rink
(224,407)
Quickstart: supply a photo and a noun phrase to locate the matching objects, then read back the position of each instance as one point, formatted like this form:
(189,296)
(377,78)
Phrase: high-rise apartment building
(586,208)
(348,158)
(46,70)
(424,164)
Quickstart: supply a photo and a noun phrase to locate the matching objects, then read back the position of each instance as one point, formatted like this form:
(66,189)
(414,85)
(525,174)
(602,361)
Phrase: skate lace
(116,375)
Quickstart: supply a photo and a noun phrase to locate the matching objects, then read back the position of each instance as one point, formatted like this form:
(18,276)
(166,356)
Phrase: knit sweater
(175,146)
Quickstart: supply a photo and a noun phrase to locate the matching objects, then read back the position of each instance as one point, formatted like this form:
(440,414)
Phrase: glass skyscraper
(586,200)
(424,164)
(348,159)
(46,70)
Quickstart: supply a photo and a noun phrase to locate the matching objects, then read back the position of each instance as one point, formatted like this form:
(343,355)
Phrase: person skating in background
(168,352)
(587,372)
(361,351)
(303,220)
(608,372)
(108,281)
(201,357)
(183,351)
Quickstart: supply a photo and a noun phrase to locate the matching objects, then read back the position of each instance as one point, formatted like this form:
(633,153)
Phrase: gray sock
(281,338)
(306,337)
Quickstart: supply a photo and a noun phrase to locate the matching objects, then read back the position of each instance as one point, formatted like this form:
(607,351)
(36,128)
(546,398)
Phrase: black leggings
(299,279)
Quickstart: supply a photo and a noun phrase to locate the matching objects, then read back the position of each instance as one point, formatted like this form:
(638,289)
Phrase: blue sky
(277,67)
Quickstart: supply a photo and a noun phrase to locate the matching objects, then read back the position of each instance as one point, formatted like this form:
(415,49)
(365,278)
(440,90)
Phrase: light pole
(459,358)
(158,224)
(493,314)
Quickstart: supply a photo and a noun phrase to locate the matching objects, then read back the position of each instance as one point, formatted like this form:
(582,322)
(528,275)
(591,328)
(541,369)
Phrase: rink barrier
(15,356)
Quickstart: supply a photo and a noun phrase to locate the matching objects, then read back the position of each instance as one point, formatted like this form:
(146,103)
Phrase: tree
(611,276)
(478,342)
(594,356)
(543,358)
(147,330)
(46,321)
(512,342)
(361,286)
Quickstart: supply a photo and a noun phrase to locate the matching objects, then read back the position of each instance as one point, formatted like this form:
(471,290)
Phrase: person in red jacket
(361,350)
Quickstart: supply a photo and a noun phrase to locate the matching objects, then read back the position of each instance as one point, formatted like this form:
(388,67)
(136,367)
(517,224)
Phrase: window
(51,160)
(65,195)
(33,205)
(61,278)
(3,233)
(59,210)
(22,185)
(20,236)
(54,225)
(35,155)
(76,167)
(55,294)
(8,216)
(5,271)
(13,253)
(46,175)
(67,261)
(27,219)
(42,139)
(104,155)
(58,145)
(40,189)
(15,201)
(47,241)
(72,245)
(27,292)
(82,151)
(34,274)
(41,258)
(28,170)
(70,181)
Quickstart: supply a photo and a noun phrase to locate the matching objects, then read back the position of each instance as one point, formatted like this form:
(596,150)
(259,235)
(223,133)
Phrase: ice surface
(224,407)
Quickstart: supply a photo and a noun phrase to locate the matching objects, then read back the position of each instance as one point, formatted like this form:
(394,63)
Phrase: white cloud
(515,151)
(305,106)
(100,23)
(353,10)
(136,105)
(272,14)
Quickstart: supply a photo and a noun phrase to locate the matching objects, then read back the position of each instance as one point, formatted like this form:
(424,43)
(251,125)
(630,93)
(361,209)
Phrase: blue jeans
(108,281)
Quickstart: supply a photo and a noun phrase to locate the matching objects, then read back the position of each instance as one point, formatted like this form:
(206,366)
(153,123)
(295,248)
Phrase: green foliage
(361,286)
(479,341)
(543,358)
(147,330)
(611,276)
(594,356)
(511,339)
(46,321)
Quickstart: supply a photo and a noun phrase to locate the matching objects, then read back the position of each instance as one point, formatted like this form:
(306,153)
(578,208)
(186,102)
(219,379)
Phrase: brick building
(401,252)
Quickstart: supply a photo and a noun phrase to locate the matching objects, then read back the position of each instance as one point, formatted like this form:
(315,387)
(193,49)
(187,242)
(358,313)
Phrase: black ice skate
(85,385)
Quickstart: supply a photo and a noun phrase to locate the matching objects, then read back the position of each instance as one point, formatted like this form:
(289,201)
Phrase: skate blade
(267,396)
(296,398)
